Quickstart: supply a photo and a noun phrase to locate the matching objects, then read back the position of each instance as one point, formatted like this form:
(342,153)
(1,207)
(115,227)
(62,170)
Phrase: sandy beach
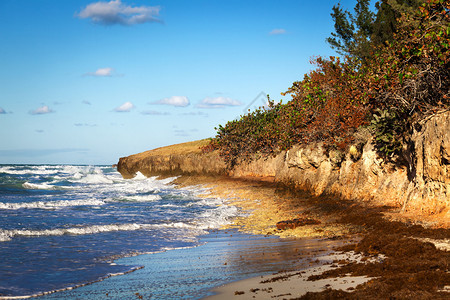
(287,285)
(378,256)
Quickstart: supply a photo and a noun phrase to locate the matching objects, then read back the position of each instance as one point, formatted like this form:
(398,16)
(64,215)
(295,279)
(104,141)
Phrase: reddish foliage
(407,78)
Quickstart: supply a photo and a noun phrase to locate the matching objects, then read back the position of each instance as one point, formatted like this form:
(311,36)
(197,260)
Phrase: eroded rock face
(430,164)
(423,185)
(171,165)
(181,159)
(305,157)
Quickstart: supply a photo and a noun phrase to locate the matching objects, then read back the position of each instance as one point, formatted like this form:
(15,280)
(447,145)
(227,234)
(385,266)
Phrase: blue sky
(86,82)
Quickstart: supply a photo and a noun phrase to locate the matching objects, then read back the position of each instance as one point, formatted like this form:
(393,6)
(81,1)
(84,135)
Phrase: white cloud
(115,12)
(180,101)
(41,110)
(218,102)
(102,72)
(277,31)
(198,113)
(2,111)
(126,107)
(155,113)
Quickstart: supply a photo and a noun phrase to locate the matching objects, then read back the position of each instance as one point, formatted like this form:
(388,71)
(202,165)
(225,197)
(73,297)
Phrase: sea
(67,226)
(84,232)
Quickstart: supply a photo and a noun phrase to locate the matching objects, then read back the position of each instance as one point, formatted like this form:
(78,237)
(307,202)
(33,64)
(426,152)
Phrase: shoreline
(397,258)
(245,255)
(223,256)
(293,283)
(415,258)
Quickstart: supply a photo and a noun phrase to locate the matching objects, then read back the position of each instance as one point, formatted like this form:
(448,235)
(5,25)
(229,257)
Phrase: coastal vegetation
(392,73)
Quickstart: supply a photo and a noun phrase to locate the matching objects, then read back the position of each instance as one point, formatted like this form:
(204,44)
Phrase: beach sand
(294,284)
(385,257)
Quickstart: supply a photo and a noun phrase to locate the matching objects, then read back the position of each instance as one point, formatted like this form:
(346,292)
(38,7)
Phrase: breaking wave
(51,204)
(7,235)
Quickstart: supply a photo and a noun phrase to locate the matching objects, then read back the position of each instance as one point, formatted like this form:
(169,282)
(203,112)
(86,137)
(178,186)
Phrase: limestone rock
(422,185)
(304,157)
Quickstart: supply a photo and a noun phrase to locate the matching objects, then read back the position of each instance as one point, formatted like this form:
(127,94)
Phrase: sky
(88,82)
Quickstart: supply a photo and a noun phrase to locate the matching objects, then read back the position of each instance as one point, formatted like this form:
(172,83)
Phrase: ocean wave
(141,198)
(30,170)
(51,204)
(218,217)
(7,235)
(139,176)
(69,203)
(94,179)
(36,186)
(175,225)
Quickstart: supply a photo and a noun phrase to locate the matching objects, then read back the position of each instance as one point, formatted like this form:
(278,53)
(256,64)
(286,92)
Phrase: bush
(396,85)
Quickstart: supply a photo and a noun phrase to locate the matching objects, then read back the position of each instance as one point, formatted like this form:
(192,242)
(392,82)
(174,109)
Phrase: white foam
(217,217)
(176,225)
(95,179)
(193,230)
(143,198)
(77,175)
(33,170)
(74,169)
(140,176)
(7,235)
(168,205)
(35,186)
(167,181)
(51,204)
(93,187)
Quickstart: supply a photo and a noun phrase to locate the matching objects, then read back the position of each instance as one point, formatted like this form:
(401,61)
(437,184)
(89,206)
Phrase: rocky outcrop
(181,159)
(311,168)
(430,164)
(422,185)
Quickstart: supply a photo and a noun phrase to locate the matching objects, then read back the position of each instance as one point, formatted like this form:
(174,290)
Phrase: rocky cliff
(422,185)
(181,159)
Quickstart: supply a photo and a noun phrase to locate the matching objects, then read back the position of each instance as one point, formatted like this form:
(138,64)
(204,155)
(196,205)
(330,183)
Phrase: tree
(388,13)
(357,34)
(352,32)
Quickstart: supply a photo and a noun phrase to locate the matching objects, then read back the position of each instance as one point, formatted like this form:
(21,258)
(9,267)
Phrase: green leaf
(400,77)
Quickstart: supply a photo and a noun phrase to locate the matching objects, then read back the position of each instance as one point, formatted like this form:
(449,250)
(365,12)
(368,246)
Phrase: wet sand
(400,259)
(293,284)
(192,273)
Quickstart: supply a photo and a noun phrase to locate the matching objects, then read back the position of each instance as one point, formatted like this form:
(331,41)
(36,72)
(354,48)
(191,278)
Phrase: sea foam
(7,235)
(51,204)
(36,186)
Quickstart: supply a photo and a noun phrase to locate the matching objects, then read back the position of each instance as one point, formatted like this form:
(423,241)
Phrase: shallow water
(225,256)
(63,226)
